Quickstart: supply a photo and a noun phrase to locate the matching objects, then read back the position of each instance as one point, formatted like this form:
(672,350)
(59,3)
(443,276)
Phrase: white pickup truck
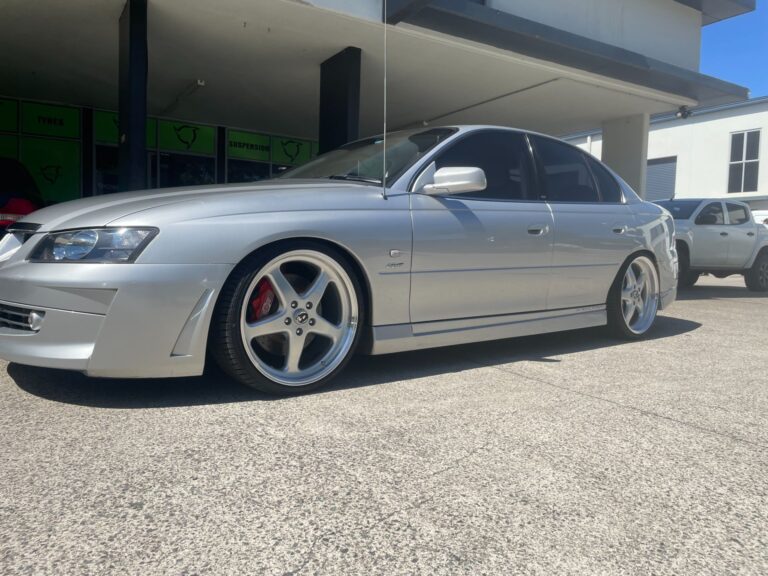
(719,237)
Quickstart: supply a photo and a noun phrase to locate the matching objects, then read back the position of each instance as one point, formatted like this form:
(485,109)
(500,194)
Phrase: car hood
(270,195)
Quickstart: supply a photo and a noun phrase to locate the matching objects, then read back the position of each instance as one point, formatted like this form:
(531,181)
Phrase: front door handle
(620,230)
(723,233)
(750,233)
(538,229)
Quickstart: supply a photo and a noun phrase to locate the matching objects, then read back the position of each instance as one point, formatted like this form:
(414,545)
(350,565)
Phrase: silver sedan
(431,237)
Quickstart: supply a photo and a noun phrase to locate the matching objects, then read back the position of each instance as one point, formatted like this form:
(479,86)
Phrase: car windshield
(363,161)
(680,209)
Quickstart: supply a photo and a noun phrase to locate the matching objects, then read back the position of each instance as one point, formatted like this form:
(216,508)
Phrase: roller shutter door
(660,181)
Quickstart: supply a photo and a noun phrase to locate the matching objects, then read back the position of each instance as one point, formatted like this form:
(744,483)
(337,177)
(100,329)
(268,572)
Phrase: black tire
(226,346)
(685,278)
(617,325)
(756,278)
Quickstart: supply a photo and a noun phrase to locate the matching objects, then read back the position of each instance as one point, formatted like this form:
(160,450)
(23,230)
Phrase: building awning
(716,10)
(478,23)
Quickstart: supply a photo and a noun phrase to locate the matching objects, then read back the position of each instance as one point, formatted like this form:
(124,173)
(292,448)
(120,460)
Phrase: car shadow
(216,388)
(714,292)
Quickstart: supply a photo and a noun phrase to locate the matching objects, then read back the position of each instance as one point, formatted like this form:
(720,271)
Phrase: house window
(744,164)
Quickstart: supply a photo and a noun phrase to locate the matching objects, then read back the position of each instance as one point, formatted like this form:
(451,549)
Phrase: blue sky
(737,50)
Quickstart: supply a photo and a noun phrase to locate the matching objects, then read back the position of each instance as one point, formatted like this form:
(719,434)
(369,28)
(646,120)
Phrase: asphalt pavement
(557,454)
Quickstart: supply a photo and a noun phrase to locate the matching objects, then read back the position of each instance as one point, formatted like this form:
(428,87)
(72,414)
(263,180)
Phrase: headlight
(97,245)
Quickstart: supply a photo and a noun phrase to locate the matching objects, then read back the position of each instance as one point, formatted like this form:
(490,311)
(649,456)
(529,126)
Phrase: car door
(485,253)
(709,237)
(593,227)
(741,235)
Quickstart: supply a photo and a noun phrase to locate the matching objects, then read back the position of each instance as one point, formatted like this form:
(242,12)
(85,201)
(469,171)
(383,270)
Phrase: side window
(505,159)
(737,214)
(566,177)
(610,191)
(711,214)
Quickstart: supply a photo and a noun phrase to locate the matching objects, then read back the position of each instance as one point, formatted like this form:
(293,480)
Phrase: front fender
(368,235)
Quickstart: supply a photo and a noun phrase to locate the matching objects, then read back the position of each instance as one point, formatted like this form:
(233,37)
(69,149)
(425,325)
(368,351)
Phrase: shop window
(186,170)
(54,165)
(279,169)
(246,171)
(106,170)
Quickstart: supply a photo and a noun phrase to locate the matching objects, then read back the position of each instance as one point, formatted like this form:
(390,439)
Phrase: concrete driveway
(560,454)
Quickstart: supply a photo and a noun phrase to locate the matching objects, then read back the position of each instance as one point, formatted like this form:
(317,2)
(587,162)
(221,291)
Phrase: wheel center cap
(300,316)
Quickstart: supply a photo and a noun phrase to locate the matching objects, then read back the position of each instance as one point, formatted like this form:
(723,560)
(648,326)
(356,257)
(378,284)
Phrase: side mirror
(449,181)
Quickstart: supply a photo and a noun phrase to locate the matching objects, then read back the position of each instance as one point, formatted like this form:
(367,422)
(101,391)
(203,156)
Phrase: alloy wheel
(299,318)
(640,295)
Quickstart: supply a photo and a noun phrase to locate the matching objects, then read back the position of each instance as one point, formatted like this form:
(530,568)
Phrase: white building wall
(662,29)
(702,145)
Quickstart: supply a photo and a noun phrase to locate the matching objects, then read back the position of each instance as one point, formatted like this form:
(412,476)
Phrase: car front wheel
(634,299)
(289,320)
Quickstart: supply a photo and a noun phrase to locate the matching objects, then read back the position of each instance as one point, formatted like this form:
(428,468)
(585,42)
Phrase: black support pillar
(340,99)
(133,96)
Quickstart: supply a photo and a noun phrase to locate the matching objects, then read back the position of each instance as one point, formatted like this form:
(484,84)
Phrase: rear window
(680,209)
(737,214)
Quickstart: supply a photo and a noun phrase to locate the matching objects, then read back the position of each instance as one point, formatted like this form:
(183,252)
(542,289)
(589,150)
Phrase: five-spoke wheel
(297,316)
(634,299)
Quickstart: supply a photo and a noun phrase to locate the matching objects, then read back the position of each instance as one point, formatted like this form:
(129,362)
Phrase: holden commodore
(431,237)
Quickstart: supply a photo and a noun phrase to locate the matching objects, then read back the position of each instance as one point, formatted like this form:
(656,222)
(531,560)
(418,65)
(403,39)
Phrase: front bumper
(112,320)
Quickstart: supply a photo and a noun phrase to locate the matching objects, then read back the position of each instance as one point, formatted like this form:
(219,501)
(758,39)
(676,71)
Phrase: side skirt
(404,337)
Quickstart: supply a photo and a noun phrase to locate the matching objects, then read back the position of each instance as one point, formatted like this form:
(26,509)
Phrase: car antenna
(384,155)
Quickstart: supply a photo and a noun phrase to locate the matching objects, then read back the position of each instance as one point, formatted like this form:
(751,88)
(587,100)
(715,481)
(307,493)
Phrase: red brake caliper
(262,300)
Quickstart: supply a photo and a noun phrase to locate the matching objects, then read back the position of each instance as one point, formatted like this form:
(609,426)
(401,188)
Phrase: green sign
(54,165)
(9,146)
(49,120)
(106,128)
(186,137)
(9,115)
(290,151)
(248,146)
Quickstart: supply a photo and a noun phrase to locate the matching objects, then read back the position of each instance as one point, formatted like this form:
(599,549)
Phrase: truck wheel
(686,278)
(756,278)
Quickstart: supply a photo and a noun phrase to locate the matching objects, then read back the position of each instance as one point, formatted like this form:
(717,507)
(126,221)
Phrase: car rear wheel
(634,299)
(756,278)
(288,321)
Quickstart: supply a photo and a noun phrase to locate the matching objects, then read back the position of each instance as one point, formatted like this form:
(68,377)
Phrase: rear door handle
(620,230)
(538,229)
(750,233)
(723,233)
